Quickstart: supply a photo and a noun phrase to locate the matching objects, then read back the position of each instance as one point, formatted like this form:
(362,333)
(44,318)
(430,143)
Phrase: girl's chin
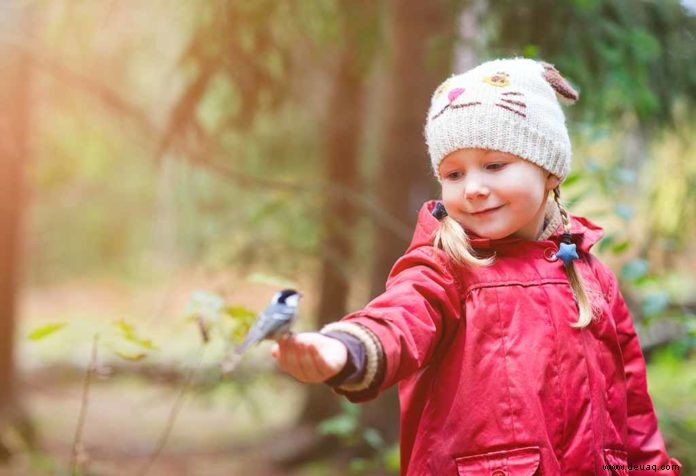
(490,232)
(494,236)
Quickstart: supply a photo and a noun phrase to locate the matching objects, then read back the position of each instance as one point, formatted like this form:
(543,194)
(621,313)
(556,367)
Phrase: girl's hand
(310,357)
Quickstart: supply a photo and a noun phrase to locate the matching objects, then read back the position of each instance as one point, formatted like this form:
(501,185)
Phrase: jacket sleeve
(403,327)
(645,443)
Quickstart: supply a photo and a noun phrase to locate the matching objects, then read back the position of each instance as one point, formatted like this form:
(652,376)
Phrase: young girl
(511,344)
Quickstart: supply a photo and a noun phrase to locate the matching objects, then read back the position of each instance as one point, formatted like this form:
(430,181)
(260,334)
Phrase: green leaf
(606,242)
(144,343)
(530,51)
(392,458)
(571,178)
(124,327)
(360,465)
(46,330)
(128,333)
(586,5)
(620,247)
(341,425)
(239,312)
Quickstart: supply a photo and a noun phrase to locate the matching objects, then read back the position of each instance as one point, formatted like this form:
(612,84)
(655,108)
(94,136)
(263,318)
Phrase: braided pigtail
(585,308)
(451,237)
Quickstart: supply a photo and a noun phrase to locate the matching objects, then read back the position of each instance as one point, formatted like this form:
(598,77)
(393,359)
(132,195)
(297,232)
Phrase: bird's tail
(233,357)
(241,348)
(230,362)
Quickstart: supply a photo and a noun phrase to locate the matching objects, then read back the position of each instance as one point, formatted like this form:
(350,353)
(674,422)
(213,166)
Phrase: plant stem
(174,413)
(78,451)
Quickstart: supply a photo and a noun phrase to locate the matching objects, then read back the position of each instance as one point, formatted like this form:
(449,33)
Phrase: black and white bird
(275,320)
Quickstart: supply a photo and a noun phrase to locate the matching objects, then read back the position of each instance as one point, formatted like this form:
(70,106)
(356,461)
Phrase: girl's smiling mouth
(486,212)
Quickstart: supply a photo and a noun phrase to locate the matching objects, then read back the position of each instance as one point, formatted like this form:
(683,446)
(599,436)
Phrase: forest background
(166,166)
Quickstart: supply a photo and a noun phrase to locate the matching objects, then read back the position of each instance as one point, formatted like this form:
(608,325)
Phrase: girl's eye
(454,175)
(495,166)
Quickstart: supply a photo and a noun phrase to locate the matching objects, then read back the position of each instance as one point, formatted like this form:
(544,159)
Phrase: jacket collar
(583,232)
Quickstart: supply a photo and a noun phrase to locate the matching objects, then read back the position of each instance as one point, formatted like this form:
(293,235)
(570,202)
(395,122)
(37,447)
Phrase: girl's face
(495,194)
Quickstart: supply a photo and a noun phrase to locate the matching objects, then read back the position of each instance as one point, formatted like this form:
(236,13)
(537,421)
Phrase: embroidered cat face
(499,87)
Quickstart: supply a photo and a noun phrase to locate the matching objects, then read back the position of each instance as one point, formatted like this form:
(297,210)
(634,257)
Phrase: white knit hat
(510,105)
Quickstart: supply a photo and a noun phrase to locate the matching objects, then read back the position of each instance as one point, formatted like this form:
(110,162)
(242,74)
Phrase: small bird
(272,323)
(275,320)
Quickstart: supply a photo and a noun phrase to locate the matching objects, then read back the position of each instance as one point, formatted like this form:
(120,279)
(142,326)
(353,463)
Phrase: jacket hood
(584,233)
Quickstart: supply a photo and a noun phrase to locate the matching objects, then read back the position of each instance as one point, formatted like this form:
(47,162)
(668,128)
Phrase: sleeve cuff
(354,370)
(374,355)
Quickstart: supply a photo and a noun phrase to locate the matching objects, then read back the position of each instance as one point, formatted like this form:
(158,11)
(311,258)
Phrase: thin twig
(78,451)
(174,413)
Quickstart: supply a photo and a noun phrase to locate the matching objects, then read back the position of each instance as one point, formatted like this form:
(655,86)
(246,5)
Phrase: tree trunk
(339,214)
(420,60)
(14,124)
(342,132)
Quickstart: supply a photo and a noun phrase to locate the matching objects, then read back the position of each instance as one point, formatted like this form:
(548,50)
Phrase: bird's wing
(269,321)
(256,333)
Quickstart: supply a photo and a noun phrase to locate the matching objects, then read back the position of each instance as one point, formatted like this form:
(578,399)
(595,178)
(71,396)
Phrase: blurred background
(166,166)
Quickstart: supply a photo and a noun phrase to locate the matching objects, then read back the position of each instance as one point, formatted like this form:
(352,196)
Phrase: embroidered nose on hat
(510,105)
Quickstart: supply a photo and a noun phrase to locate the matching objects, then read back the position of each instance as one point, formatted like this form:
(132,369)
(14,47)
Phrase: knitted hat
(510,105)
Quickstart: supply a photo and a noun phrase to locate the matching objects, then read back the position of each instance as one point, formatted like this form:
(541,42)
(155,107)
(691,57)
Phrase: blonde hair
(582,298)
(451,237)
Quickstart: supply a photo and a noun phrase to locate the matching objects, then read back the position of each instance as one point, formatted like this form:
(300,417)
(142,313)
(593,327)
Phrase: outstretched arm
(402,328)
(395,335)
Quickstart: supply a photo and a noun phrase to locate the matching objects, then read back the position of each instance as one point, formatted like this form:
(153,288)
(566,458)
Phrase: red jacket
(492,377)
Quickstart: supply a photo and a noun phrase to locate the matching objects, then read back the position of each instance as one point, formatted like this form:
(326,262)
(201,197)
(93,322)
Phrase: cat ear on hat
(565,92)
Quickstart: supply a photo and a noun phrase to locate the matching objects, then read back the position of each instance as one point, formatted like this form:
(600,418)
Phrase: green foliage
(673,186)
(624,55)
(672,382)
(605,190)
(343,425)
(91,186)
(122,338)
(211,312)
(347,427)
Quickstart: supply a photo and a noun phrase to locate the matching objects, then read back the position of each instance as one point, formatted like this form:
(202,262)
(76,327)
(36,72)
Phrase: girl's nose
(475,188)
